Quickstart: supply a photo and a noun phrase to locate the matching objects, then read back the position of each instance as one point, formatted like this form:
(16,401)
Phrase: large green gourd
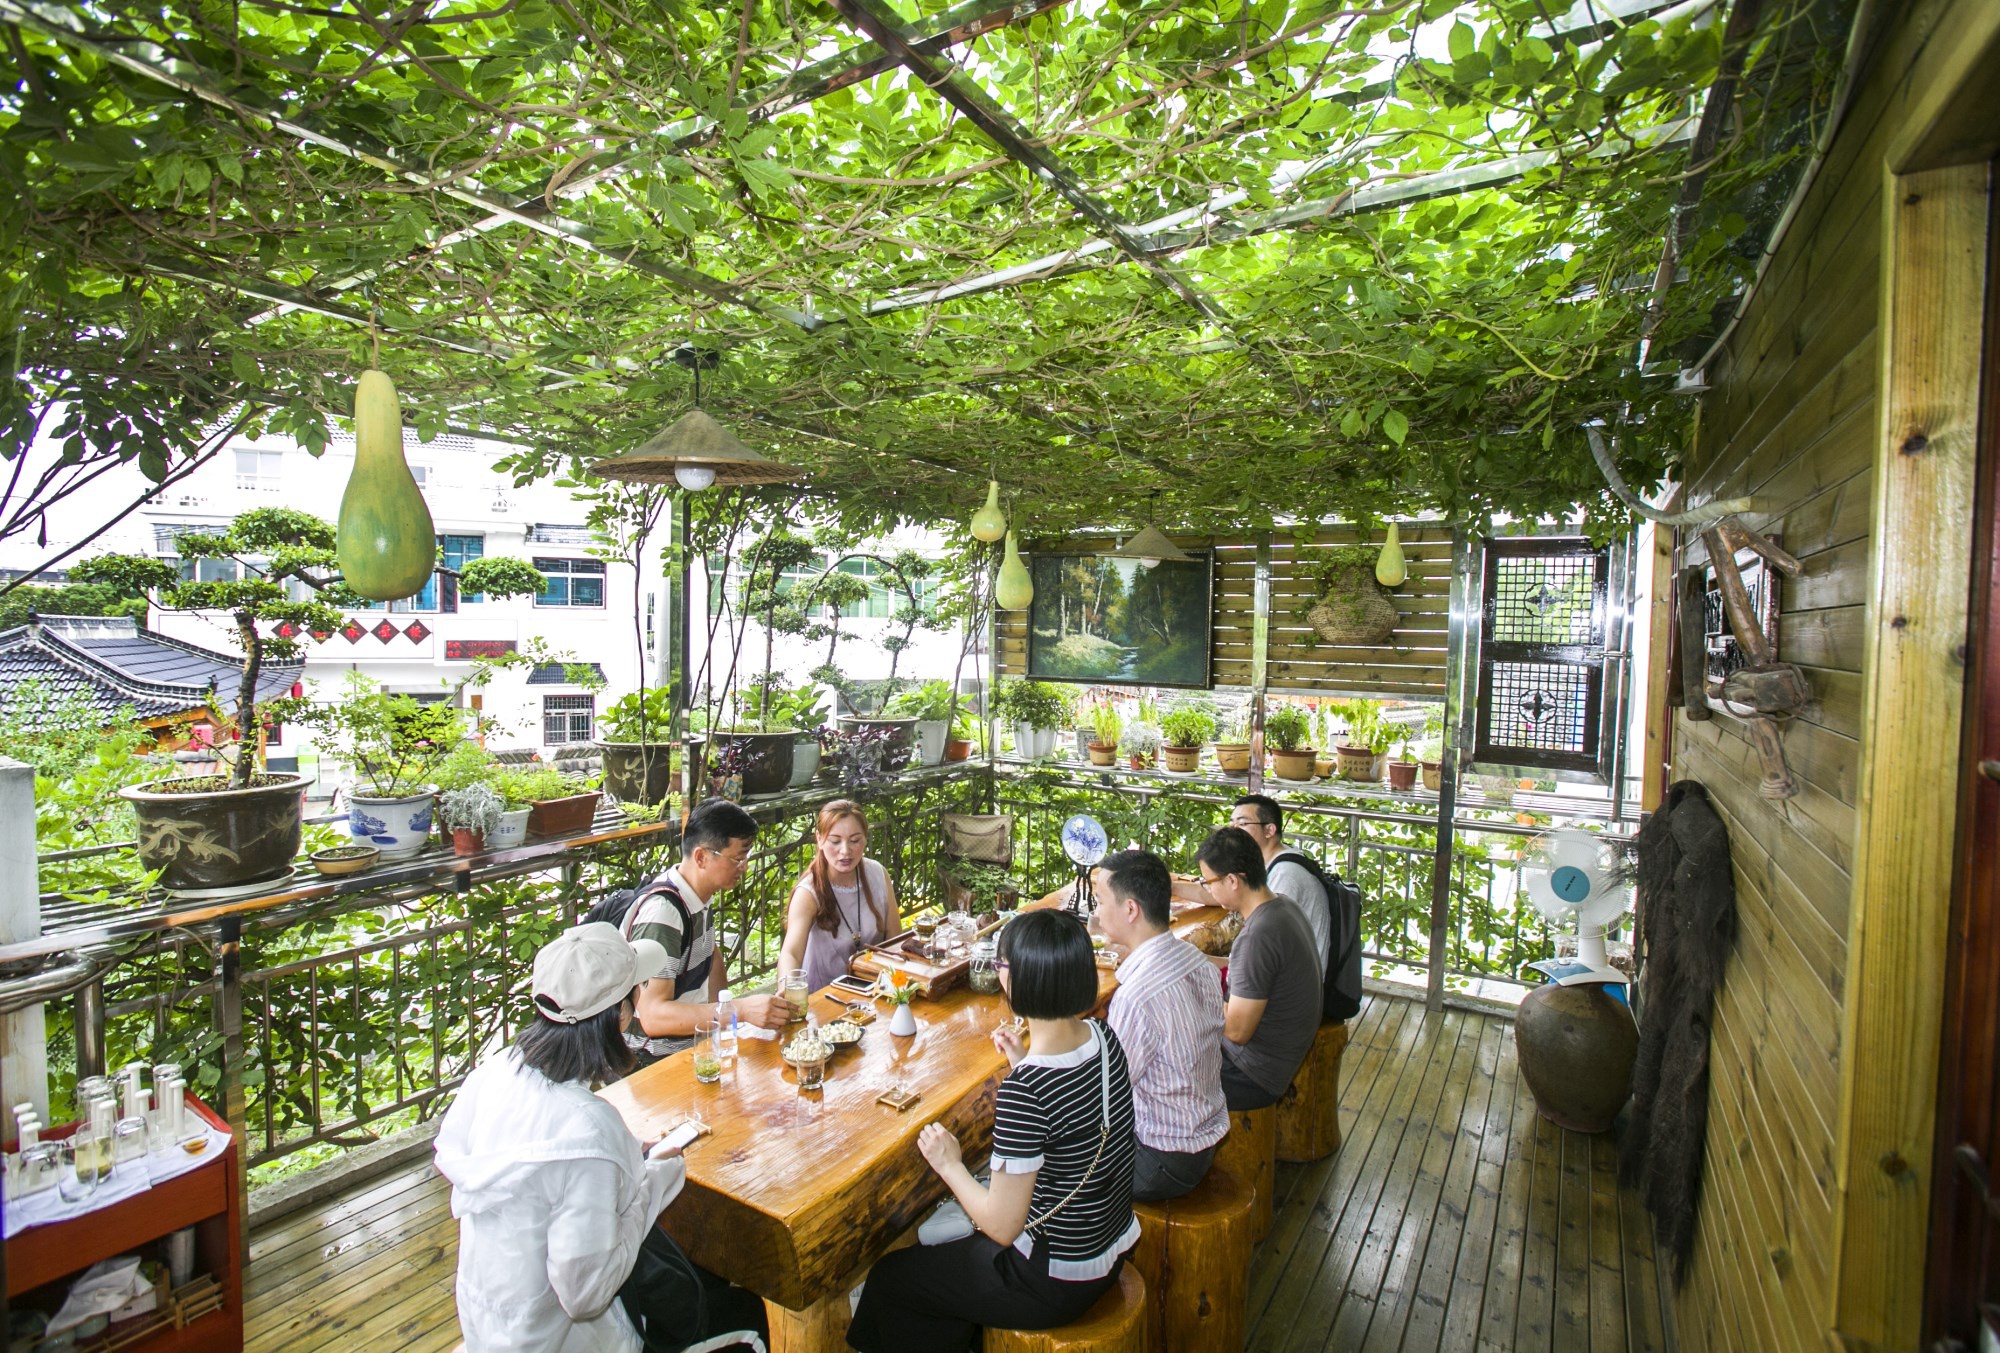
(387,547)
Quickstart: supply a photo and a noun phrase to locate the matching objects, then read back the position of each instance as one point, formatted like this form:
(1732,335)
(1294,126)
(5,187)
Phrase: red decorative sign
(384,631)
(417,632)
(352,631)
(459,649)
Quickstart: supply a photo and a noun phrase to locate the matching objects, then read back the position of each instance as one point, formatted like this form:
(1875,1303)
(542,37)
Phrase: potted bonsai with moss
(1184,729)
(1288,733)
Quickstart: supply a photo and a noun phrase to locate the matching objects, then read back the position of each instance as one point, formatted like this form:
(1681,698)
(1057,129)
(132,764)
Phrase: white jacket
(553,1198)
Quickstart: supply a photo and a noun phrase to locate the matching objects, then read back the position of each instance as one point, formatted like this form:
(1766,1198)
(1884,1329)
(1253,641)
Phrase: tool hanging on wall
(1764,689)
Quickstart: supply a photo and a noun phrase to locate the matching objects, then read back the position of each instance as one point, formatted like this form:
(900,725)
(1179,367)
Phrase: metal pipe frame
(1464,604)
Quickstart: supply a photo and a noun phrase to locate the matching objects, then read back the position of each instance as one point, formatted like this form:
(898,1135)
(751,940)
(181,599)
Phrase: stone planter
(1233,757)
(1576,1047)
(1357,763)
(805,762)
(202,834)
(1032,743)
(930,740)
(559,817)
(1181,760)
(1403,775)
(512,831)
(637,772)
(1433,775)
(399,827)
(767,759)
(1296,765)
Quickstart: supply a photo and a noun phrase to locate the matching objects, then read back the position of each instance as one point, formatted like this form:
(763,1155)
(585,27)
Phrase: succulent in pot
(1140,742)
(1288,733)
(472,815)
(1183,730)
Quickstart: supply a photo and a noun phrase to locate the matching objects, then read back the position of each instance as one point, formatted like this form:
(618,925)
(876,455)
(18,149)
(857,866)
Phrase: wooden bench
(1309,1112)
(1249,1152)
(1116,1324)
(1195,1254)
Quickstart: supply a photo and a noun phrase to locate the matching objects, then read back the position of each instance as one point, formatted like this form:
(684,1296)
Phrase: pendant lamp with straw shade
(1150,548)
(694,451)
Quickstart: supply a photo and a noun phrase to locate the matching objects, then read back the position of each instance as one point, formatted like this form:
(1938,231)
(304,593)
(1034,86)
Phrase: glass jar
(984,978)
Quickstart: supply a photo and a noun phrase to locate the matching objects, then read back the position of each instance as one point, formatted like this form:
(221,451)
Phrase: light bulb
(1149,563)
(693,478)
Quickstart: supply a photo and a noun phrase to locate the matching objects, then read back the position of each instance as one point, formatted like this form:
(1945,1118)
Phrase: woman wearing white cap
(556,1200)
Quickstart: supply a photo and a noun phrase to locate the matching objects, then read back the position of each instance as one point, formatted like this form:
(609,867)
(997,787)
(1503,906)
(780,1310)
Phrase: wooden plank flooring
(1452,1218)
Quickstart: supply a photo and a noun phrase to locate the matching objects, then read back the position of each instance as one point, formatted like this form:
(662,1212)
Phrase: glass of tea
(707,1060)
(796,993)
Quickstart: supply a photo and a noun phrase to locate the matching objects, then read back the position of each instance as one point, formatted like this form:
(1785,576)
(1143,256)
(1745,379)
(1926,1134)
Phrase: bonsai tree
(396,744)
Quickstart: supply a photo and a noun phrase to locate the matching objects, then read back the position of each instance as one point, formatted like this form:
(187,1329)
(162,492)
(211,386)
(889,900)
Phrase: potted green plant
(1140,742)
(1365,739)
(1403,770)
(1105,726)
(958,746)
(1288,733)
(1038,710)
(973,882)
(761,745)
(471,815)
(1324,761)
(930,703)
(1183,731)
(1430,751)
(512,828)
(396,745)
(1232,746)
(558,801)
(634,740)
(803,710)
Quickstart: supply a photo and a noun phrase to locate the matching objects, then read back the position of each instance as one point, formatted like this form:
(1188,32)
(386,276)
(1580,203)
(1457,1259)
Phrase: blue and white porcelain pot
(399,827)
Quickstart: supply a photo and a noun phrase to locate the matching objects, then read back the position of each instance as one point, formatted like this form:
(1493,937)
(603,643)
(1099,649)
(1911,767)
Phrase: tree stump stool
(1250,1152)
(1116,1324)
(1309,1112)
(1195,1255)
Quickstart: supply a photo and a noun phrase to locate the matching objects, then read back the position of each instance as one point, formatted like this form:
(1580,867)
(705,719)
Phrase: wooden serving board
(931,979)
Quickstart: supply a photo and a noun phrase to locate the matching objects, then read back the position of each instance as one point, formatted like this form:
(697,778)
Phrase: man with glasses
(1331,909)
(1273,1010)
(673,912)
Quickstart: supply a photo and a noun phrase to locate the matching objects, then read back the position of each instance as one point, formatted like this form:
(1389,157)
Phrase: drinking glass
(812,1075)
(707,1060)
(796,993)
(78,1172)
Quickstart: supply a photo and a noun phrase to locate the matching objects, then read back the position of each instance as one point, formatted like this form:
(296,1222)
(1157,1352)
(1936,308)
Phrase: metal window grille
(1542,655)
(568,718)
(571,582)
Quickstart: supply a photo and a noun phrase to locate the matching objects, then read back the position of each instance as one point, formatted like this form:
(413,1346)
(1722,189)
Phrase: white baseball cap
(589,968)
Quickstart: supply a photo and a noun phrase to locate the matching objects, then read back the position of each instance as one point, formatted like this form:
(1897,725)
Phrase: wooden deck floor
(1452,1217)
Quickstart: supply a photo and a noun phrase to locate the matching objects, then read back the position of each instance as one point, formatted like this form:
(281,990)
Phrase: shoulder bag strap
(1103,1132)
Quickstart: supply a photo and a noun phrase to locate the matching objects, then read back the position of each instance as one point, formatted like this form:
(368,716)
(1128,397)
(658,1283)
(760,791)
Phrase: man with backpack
(672,910)
(1331,905)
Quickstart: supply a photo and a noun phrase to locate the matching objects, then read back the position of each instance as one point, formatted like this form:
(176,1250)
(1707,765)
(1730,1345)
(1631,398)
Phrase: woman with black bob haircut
(1051,1231)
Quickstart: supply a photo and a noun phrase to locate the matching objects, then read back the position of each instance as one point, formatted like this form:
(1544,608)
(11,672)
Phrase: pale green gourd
(386,544)
(1013,589)
(1390,570)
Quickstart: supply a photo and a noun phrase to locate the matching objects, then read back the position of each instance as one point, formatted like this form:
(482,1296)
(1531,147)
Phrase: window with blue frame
(571,582)
(440,593)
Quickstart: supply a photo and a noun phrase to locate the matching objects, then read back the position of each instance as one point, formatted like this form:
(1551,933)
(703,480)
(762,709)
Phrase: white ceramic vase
(930,740)
(904,1022)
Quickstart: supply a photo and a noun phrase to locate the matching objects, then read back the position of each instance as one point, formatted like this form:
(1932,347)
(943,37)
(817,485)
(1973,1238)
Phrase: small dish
(802,1043)
(340,860)
(841,1033)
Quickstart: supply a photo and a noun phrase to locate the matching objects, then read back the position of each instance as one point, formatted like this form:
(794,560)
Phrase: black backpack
(616,908)
(1343,900)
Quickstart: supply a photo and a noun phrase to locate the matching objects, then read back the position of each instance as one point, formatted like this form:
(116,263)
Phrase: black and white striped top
(1047,1122)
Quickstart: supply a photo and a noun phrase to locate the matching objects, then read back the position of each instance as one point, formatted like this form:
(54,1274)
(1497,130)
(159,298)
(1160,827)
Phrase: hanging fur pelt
(1688,915)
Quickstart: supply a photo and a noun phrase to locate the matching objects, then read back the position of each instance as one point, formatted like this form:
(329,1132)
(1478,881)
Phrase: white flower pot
(1032,743)
(805,763)
(904,1022)
(398,827)
(512,831)
(930,740)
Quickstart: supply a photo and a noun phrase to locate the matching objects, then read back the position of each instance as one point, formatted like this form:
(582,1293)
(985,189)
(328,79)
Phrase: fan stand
(1082,901)
(1590,946)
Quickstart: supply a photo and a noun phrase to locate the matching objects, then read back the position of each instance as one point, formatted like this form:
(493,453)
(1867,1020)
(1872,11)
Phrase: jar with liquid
(984,977)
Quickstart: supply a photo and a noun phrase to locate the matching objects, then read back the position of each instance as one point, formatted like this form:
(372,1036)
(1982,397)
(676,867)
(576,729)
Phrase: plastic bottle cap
(725,995)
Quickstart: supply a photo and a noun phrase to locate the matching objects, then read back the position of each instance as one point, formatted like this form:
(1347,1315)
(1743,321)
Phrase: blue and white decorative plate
(1085,841)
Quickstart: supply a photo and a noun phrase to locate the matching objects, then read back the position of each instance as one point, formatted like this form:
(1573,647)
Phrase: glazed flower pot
(1181,760)
(957,749)
(1084,737)
(1296,765)
(637,772)
(1577,1046)
(1433,775)
(465,841)
(202,834)
(1032,743)
(400,826)
(902,739)
(512,831)
(1101,755)
(805,763)
(1403,775)
(767,759)
(1233,757)
(1356,763)
(1323,766)
(559,817)
(930,741)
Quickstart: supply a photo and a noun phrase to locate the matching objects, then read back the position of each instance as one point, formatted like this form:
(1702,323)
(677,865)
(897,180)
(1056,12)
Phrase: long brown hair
(828,917)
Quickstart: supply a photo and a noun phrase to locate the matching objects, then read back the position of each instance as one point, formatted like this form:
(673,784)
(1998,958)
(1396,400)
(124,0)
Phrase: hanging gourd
(989,523)
(1390,570)
(386,545)
(1014,588)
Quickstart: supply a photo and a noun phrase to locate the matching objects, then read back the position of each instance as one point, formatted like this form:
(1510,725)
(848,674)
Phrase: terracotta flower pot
(1433,775)
(1296,765)
(1181,760)
(1140,762)
(559,817)
(1356,763)
(957,749)
(465,841)
(1403,775)
(1233,757)
(1102,755)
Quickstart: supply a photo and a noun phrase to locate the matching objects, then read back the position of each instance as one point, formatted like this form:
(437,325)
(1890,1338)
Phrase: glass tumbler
(78,1164)
(796,993)
(812,1075)
(707,1060)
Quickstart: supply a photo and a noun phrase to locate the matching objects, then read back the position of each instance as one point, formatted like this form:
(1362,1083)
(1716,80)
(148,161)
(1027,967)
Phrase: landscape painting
(1112,620)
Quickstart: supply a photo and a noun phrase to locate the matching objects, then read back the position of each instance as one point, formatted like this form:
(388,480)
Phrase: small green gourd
(386,544)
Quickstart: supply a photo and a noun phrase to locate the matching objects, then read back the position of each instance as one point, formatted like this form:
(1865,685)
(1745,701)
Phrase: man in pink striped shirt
(1167,1013)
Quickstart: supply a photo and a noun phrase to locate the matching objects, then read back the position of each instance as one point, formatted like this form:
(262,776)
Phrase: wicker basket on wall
(1352,608)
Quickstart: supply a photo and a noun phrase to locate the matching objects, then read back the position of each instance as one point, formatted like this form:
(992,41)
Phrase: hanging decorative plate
(1084,840)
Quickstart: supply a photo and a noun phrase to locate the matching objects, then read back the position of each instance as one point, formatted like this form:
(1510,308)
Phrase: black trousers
(1239,1092)
(1159,1175)
(932,1298)
(674,1302)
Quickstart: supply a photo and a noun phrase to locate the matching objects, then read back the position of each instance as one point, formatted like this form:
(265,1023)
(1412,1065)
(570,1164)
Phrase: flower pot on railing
(931,739)
(1032,743)
(1103,754)
(805,762)
(1356,763)
(1233,757)
(1403,776)
(399,826)
(512,831)
(637,772)
(902,734)
(203,834)
(1433,775)
(766,759)
(560,817)
(1083,737)
(957,749)
(1323,766)
(466,841)
(1292,765)
(1181,760)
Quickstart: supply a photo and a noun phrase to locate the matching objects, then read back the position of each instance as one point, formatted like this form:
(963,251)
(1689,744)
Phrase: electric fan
(1570,883)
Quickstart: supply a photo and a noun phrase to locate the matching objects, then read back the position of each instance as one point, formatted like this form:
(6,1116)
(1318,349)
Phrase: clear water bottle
(725,1026)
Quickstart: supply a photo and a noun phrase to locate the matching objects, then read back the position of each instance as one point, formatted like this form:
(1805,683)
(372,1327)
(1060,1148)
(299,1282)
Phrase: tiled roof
(112,663)
(553,673)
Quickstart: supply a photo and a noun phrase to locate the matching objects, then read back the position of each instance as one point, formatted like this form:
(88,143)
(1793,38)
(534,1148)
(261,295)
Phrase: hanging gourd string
(374,332)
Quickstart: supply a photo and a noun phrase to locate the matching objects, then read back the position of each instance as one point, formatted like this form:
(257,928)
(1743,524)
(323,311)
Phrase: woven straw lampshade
(694,439)
(1149,544)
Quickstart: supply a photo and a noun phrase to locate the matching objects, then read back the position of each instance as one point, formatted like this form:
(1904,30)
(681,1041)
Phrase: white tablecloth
(127,1179)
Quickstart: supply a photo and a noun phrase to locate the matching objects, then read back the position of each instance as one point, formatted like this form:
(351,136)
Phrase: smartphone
(678,1138)
(854,986)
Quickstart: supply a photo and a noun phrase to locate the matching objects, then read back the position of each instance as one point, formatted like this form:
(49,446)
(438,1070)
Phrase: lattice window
(567,718)
(1541,656)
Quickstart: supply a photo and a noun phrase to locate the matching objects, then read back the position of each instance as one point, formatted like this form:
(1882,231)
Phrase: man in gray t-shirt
(1273,1006)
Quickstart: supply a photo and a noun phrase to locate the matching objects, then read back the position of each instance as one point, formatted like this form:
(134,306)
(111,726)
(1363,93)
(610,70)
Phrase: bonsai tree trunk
(246,699)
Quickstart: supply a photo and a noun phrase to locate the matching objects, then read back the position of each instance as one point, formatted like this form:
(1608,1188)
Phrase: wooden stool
(1309,1113)
(1195,1254)
(1250,1152)
(1116,1324)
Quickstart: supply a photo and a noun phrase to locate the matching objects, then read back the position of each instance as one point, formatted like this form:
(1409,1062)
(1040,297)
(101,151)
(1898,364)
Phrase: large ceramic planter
(559,817)
(1032,743)
(398,827)
(1403,775)
(1297,765)
(1357,763)
(1576,1047)
(637,772)
(805,763)
(766,759)
(512,831)
(201,834)
(1181,760)
(930,740)
(1233,758)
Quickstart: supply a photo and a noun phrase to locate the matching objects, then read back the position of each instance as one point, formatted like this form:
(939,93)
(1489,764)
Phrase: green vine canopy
(1235,261)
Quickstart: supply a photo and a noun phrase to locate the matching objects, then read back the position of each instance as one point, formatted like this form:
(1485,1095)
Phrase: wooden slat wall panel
(1411,664)
(1791,417)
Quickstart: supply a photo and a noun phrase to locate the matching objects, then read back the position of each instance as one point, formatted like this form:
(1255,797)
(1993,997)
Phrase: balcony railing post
(24,1061)
(229,1024)
(1464,598)
(89,1018)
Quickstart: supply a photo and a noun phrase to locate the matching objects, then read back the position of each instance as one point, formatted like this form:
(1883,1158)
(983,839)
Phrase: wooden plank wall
(1411,665)
(1791,417)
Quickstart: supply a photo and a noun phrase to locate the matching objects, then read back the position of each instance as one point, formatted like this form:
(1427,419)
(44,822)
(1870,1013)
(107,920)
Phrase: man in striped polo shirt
(1167,1013)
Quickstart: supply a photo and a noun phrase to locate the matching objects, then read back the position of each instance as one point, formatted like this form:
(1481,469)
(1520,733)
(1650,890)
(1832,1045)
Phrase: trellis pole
(1464,605)
(1260,653)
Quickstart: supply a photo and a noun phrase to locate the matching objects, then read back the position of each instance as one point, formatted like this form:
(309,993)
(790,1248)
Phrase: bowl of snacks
(841,1033)
(806,1048)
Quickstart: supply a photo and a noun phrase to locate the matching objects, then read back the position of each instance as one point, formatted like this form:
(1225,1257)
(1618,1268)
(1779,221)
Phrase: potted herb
(396,746)
(1288,733)
(1403,770)
(1183,731)
(931,704)
(1232,746)
(558,801)
(958,746)
(1105,726)
(634,739)
(471,815)
(1038,711)
(1365,739)
(1140,742)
